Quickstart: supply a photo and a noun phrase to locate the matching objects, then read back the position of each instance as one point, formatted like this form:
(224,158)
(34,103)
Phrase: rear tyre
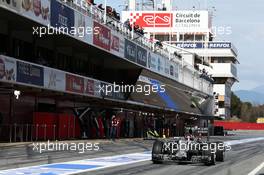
(220,154)
(157,152)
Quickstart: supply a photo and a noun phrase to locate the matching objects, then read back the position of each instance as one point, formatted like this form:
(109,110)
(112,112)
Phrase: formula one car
(192,151)
(188,150)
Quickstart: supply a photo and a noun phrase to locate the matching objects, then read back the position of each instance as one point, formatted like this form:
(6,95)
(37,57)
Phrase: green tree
(246,112)
(235,105)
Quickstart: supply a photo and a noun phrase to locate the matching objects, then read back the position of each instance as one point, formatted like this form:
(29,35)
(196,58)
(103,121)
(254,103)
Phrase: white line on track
(256,170)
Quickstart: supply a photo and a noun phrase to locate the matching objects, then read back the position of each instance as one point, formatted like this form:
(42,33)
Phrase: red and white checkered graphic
(134,17)
(150,19)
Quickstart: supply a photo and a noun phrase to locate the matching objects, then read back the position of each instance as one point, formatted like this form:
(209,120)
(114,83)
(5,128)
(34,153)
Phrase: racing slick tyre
(211,160)
(157,152)
(213,157)
(220,154)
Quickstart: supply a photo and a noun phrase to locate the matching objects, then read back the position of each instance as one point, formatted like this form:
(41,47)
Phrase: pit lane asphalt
(242,159)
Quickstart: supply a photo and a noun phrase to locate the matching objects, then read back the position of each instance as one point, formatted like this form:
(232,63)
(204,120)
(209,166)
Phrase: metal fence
(28,132)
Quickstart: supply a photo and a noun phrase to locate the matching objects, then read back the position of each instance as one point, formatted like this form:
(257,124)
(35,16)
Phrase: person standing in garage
(114,124)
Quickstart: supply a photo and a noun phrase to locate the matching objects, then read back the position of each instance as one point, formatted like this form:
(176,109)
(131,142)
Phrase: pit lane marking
(73,167)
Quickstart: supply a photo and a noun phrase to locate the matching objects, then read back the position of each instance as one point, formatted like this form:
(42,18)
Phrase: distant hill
(259,89)
(255,96)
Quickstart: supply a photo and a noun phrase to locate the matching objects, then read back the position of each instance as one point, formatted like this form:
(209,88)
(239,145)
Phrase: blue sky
(246,19)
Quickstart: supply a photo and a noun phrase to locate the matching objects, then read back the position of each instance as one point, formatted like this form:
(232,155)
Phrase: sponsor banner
(12,4)
(89,87)
(79,23)
(54,79)
(221,45)
(190,45)
(160,64)
(167,67)
(117,44)
(176,70)
(119,96)
(169,21)
(191,20)
(7,69)
(84,27)
(89,24)
(103,38)
(201,45)
(37,10)
(171,69)
(97,85)
(61,15)
(30,74)
(153,61)
(121,46)
(130,50)
(150,19)
(74,84)
(141,56)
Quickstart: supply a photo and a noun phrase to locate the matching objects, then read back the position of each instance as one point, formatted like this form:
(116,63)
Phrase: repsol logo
(187,45)
(219,45)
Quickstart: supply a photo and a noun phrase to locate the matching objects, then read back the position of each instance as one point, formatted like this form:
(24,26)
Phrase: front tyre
(157,152)
(211,160)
